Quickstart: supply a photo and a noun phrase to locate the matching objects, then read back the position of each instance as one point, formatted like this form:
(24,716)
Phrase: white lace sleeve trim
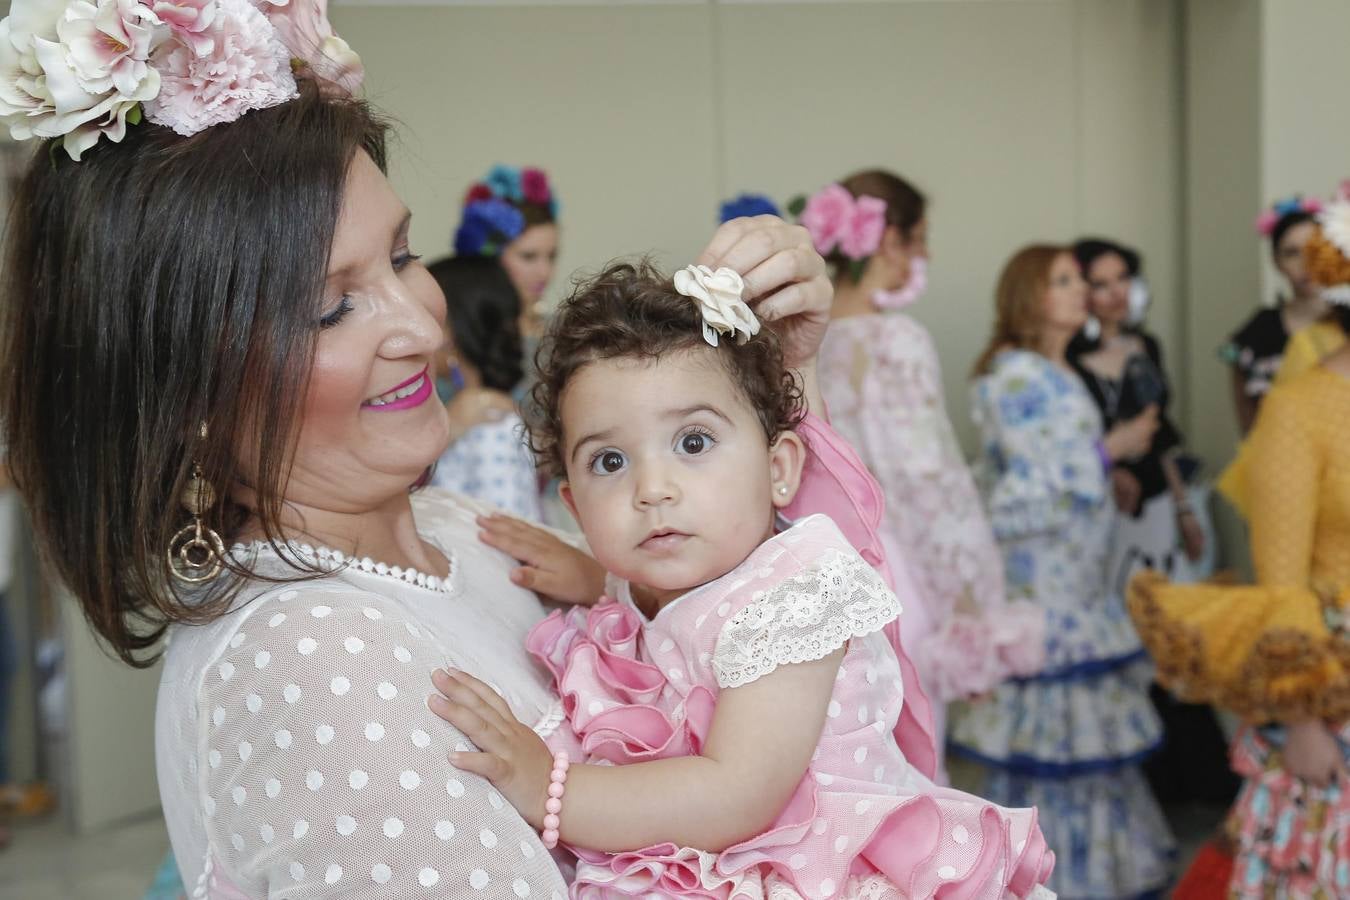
(805,618)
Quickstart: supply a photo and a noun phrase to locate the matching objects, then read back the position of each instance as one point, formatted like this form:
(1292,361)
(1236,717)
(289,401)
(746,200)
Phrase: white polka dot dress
(296,754)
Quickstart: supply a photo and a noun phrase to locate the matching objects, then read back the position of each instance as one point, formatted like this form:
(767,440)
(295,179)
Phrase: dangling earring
(196,553)
(1092,328)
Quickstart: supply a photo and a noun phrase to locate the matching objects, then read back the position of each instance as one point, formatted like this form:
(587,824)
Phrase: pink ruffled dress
(863,821)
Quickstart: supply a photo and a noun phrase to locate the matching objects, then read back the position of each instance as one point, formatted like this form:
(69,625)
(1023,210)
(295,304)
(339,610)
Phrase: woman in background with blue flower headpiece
(512,215)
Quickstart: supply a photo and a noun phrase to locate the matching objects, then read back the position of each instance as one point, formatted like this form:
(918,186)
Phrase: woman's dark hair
(1284,223)
(632,311)
(1341,313)
(905,207)
(160,284)
(483,309)
(1088,250)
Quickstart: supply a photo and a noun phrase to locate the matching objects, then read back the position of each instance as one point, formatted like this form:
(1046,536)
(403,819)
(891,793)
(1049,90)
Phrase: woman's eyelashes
(400,261)
(338,313)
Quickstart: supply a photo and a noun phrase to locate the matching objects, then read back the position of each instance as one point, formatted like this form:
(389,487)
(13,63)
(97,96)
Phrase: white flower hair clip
(718,295)
(1335,223)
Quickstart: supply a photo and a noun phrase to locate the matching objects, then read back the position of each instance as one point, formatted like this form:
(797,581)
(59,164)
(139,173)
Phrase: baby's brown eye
(694,444)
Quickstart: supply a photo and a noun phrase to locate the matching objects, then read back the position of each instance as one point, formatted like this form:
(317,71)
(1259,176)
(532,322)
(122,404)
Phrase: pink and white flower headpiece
(81,69)
(839,221)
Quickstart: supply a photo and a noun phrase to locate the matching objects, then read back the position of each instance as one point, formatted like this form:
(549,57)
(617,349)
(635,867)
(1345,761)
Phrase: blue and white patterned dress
(491,463)
(1070,739)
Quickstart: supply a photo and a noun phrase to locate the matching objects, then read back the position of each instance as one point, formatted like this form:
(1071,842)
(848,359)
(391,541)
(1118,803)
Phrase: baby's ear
(565,493)
(787,459)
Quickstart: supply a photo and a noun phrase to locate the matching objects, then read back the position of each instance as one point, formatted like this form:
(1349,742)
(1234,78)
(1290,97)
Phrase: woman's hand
(550,567)
(1312,754)
(510,755)
(785,280)
(1132,438)
(1126,489)
(1192,535)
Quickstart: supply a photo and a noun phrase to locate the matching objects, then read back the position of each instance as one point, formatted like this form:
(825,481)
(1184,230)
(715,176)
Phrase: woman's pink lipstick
(418,396)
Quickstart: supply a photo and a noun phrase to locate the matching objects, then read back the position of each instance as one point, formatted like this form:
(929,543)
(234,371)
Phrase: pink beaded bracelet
(557,786)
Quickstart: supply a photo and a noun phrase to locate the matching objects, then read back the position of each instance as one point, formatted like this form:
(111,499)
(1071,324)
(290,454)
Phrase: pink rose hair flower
(836,219)
(305,30)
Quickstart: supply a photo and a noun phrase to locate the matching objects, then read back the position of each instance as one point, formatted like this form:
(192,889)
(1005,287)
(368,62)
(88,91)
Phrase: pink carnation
(826,216)
(862,233)
(534,186)
(247,68)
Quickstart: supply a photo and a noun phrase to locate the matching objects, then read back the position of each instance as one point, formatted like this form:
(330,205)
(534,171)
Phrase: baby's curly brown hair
(632,311)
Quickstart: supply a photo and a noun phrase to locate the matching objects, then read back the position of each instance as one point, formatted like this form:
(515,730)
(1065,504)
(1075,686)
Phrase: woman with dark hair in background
(489,460)
(882,381)
(512,215)
(1255,350)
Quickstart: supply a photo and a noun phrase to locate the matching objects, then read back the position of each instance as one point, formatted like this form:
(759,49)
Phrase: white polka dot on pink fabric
(340,685)
(840,844)
(946,872)
(478,879)
(380,873)
(526,850)
(226,670)
(301,829)
(213,759)
(960,835)
(321,612)
(862,806)
(819,826)
(393,827)
(354,645)
(333,874)
(273,788)
(372,614)
(834,709)
(306,646)
(374,732)
(409,780)
(313,779)
(402,655)
(454,788)
(261,660)
(276,620)
(323,734)
(245,751)
(283,739)
(386,691)
(358,779)
(520,888)
(444,830)
(797,862)
(420,739)
(860,755)
(291,694)
(267,833)
(428,877)
(253,702)
(218,716)
(487,838)
(827,887)
(345,825)
(297,872)
(666,646)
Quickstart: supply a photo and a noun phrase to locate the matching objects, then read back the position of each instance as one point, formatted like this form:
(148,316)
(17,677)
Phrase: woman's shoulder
(1011,366)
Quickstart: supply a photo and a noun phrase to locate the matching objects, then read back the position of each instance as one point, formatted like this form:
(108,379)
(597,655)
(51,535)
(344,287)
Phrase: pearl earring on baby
(782,490)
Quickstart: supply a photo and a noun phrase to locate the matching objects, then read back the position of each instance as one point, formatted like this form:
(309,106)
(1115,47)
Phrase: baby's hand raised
(512,756)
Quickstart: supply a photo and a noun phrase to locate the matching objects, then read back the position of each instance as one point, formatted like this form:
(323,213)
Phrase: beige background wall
(1022,120)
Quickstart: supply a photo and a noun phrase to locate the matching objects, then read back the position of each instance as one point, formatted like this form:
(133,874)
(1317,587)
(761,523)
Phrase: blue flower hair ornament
(486,227)
(746,205)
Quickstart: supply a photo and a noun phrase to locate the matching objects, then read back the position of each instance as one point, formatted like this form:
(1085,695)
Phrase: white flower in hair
(1335,222)
(718,295)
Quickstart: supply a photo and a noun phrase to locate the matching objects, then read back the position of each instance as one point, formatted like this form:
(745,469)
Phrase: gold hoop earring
(196,553)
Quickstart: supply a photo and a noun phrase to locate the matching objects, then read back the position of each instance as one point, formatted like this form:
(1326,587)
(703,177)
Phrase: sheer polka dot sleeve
(323,773)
